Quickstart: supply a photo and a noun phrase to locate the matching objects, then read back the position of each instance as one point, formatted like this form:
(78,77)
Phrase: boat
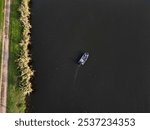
(83,58)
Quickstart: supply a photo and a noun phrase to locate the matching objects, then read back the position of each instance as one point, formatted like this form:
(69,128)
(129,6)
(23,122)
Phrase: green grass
(1,16)
(1,25)
(15,98)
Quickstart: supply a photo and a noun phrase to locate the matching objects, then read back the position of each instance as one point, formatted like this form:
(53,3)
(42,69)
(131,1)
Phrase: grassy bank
(19,78)
(1,25)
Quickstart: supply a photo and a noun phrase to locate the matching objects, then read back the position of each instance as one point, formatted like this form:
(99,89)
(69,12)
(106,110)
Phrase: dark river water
(116,77)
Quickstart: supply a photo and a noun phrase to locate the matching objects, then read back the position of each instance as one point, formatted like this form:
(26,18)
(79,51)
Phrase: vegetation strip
(20,72)
(1,25)
(5,55)
(24,60)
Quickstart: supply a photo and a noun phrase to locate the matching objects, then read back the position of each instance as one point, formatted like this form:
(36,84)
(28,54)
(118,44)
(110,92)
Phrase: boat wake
(76,75)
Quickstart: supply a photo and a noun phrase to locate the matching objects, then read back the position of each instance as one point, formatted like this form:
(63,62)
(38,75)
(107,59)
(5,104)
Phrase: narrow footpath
(5,56)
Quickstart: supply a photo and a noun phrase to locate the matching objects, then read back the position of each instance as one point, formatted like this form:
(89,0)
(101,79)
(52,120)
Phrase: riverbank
(20,73)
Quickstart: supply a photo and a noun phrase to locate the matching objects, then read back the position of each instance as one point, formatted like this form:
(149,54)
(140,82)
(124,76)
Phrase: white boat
(83,58)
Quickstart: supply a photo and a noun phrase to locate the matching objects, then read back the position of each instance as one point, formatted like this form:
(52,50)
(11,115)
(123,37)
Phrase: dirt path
(5,56)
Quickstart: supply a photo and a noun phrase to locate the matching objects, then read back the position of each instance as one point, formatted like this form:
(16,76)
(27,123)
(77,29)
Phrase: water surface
(116,77)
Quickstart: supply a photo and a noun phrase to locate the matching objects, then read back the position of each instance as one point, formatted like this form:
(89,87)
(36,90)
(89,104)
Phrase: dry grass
(24,60)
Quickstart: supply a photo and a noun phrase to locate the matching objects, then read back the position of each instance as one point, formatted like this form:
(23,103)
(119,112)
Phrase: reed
(26,72)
